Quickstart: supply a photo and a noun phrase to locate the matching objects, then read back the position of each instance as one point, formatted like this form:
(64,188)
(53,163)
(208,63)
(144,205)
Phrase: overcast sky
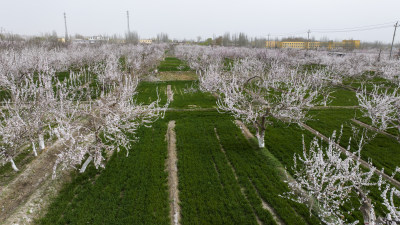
(206,18)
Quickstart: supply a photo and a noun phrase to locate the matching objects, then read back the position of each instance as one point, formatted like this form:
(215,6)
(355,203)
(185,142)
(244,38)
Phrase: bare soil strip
(36,205)
(179,75)
(27,196)
(353,156)
(170,93)
(172,168)
(374,129)
(247,134)
(35,175)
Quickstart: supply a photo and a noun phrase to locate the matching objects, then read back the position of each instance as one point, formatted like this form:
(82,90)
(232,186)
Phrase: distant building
(293,44)
(351,44)
(97,39)
(272,44)
(346,44)
(80,41)
(145,41)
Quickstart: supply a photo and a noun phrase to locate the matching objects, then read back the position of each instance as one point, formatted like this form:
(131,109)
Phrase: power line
(288,34)
(359,27)
(354,30)
(339,30)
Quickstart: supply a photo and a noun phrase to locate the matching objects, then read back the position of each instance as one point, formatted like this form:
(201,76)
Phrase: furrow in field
(172,169)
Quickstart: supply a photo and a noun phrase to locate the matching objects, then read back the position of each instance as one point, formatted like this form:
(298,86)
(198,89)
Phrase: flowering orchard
(90,112)
(262,86)
(85,101)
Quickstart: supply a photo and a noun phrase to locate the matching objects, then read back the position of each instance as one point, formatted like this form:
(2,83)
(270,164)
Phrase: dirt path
(172,168)
(30,181)
(27,196)
(170,93)
(374,129)
(37,203)
(179,75)
(247,134)
(354,157)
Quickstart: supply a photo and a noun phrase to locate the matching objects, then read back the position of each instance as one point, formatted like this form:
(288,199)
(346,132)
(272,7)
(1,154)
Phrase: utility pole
(127,17)
(66,30)
(269,44)
(308,38)
(394,34)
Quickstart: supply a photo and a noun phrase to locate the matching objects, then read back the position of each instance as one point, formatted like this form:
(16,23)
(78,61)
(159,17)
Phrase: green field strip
(173,64)
(384,151)
(147,92)
(197,99)
(256,171)
(343,97)
(283,141)
(130,190)
(208,190)
(263,217)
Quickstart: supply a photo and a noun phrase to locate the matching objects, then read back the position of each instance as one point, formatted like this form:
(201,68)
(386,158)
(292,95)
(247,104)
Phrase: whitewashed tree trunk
(34,148)
(260,137)
(41,142)
(15,168)
(88,160)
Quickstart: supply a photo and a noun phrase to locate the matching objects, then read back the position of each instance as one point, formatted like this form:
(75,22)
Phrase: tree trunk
(41,141)
(260,137)
(88,160)
(34,148)
(13,165)
(367,209)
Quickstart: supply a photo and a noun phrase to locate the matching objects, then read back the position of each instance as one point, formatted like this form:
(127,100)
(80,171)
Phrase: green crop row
(384,151)
(343,97)
(173,64)
(257,172)
(184,96)
(283,141)
(131,190)
(206,180)
(208,191)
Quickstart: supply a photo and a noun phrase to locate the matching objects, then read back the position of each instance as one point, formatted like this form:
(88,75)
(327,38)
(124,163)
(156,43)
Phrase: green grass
(343,97)
(369,82)
(382,150)
(173,64)
(258,172)
(147,92)
(201,184)
(197,99)
(131,190)
(208,191)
